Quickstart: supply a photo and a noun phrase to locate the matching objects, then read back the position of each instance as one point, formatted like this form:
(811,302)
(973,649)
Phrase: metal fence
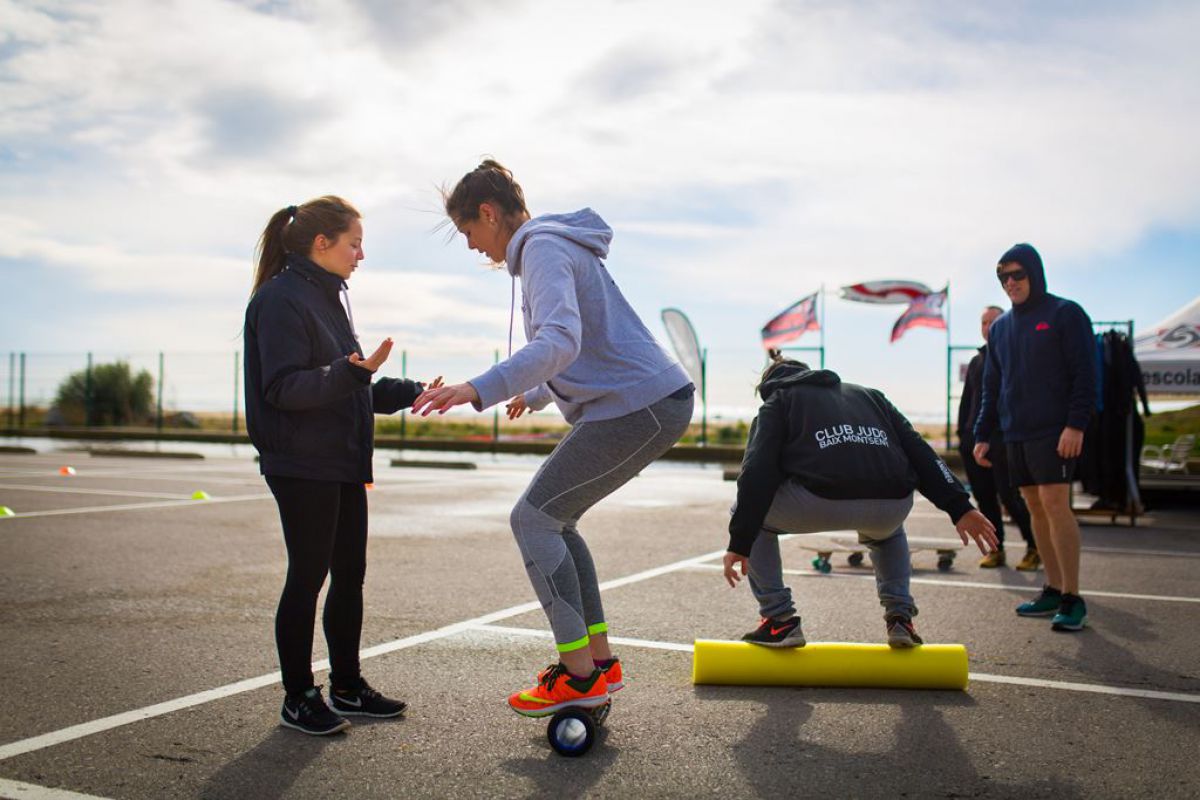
(187,390)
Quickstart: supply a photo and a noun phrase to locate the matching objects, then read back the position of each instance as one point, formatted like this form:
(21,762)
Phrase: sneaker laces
(550,675)
(365,690)
(314,704)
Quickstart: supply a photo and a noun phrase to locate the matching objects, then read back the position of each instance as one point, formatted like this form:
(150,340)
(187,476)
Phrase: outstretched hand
(516,407)
(376,359)
(978,527)
(443,398)
(731,563)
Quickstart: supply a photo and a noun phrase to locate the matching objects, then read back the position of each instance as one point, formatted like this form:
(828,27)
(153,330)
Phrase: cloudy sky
(745,154)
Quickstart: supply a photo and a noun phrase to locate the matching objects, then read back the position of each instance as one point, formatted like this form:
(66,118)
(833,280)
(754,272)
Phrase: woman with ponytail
(310,405)
(627,400)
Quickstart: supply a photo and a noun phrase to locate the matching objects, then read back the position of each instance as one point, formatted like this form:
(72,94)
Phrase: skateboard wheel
(944,564)
(571,732)
(855,559)
(600,713)
(821,564)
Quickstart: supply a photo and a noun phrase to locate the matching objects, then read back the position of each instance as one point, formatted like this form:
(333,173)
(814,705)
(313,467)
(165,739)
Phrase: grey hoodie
(587,349)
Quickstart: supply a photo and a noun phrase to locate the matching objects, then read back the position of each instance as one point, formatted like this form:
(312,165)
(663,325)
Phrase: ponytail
(293,229)
(271,253)
(775,359)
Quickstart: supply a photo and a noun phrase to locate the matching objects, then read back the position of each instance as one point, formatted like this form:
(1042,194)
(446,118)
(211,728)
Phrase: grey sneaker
(773,633)
(901,633)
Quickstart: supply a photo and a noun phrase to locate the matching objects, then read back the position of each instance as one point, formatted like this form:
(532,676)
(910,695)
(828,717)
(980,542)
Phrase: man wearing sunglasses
(1039,389)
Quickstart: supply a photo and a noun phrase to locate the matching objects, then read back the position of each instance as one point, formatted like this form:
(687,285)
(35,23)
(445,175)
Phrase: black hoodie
(838,440)
(1040,374)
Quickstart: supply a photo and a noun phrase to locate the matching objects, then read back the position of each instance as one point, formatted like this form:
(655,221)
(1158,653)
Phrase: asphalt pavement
(136,641)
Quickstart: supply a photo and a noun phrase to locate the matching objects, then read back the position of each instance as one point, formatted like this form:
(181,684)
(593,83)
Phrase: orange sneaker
(612,674)
(557,689)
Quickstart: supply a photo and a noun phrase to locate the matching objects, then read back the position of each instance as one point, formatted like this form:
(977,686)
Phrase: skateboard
(856,553)
(572,731)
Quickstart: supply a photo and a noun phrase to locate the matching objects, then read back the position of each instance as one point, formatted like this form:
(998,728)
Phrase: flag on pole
(923,312)
(792,322)
(894,292)
(686,343)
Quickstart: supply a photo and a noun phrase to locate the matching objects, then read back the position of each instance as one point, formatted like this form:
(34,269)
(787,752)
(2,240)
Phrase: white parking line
(1164,598)
(981,677)
(80,490)
(1133,552)
(58,512)
(13,790)
(117,720)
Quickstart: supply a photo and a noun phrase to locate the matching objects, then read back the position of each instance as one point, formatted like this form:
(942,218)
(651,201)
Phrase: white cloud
(745,153)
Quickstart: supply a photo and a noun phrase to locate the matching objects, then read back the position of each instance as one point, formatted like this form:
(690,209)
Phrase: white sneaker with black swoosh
(307,712)
(360,699)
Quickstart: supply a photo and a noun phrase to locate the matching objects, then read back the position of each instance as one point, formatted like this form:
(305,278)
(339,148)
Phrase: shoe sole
(1049,613)
(784,643)
(903,644)
(1069,627)
(586,704)
(287,723)
(352,712)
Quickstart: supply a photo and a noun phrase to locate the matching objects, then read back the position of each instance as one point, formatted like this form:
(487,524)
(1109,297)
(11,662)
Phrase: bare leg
(598,647)
(1042,535)
(1064,534)
(578,662)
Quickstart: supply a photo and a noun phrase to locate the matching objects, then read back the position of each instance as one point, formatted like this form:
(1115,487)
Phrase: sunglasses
(1017,275)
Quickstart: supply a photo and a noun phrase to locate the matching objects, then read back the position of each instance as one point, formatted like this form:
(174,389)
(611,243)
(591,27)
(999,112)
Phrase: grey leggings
(590,463)
(880,526)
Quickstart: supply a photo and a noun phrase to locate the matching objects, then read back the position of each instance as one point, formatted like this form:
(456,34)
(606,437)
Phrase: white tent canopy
(1169,353)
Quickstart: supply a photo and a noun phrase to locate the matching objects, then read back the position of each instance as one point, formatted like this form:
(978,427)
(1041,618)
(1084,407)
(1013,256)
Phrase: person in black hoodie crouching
(825,455)
(310,407)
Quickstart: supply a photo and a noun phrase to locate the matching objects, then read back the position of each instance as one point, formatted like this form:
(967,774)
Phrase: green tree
(118,397)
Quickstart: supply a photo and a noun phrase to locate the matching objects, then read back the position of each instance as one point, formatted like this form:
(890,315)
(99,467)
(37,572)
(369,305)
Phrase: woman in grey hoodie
(627,399)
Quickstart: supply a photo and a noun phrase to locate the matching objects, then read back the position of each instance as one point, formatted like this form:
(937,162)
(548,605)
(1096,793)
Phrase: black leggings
(325,529)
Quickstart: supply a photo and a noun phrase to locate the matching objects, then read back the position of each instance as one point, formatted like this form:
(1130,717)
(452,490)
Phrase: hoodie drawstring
(344,294)
(512,307)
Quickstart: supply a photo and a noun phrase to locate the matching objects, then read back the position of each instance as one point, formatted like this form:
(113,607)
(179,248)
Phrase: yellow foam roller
(930,666)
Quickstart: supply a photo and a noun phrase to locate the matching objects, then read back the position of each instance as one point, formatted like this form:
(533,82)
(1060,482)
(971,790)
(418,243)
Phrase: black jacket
(309,411)
(839,441)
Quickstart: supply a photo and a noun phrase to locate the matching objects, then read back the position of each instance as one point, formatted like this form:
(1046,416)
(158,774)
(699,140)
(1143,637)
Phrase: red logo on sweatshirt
(1043,326)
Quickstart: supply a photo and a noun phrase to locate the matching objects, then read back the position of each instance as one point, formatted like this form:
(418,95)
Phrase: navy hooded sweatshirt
(309,411)
(838,440)
(1040,374)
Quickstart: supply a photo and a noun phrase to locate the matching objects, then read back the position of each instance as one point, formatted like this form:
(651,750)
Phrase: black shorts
(1037,462)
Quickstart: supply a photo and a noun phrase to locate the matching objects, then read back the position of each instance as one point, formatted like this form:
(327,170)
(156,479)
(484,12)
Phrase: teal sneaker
(1044,605)
(1072,614)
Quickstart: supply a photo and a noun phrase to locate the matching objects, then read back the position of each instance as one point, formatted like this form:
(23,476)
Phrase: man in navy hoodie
(1039,387)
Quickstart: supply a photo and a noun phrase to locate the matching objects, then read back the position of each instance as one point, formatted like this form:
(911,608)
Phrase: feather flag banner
(686,343)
